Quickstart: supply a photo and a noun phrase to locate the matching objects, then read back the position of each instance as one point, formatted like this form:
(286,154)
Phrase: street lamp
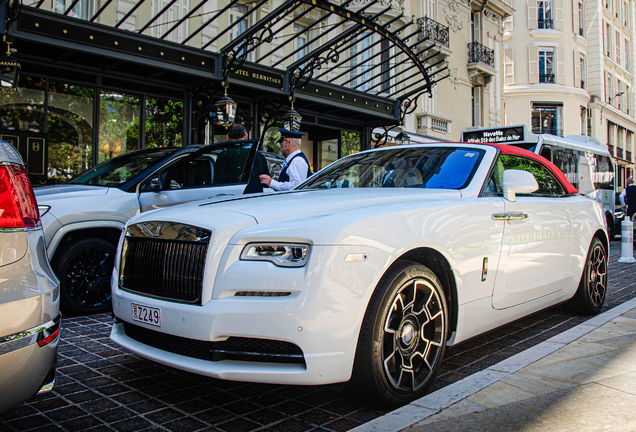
(291,119)
(620,93)
(9,72)
(225,111)
(402,138)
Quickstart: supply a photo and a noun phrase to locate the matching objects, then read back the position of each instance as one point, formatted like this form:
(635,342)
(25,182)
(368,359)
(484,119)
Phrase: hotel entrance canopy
(360,61)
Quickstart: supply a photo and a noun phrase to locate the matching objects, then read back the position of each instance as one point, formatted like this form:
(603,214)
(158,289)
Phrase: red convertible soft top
(510,149)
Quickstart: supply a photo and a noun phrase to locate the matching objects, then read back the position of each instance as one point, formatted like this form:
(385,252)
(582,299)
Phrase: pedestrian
(236,132)
(628,197)
(296,167)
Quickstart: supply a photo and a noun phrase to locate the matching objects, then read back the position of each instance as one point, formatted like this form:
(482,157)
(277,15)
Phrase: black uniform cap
(284,133)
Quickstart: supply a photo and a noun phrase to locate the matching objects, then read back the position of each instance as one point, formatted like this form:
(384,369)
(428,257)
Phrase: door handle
(509,216)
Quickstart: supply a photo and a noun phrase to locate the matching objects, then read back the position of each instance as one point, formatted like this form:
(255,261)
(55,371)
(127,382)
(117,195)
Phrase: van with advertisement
(586,163)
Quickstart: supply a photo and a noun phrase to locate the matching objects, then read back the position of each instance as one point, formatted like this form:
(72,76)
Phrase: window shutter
(533,64)
(508,24)
(577,70)
(559,15)
(509,66)
(560,61)
(533,20)
(575,16)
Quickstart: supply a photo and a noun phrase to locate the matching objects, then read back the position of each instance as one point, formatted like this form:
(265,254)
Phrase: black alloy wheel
(590,295)
(84,269)
(403,336)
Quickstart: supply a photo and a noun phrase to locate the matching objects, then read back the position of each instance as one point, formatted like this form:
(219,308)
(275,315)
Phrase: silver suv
(29,291)
(84,217)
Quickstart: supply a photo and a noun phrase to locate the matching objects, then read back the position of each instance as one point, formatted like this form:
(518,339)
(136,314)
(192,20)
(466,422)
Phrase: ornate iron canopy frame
(371,62)
(329,57)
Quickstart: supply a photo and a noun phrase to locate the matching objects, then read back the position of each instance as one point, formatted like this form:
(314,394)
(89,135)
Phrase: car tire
(590,296)
(84,268)
(403,336)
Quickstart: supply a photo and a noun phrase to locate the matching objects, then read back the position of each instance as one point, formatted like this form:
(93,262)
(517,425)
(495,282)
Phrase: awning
(361,60)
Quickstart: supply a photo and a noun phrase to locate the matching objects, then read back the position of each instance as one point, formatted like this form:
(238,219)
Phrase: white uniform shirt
(622,196)
(297,172)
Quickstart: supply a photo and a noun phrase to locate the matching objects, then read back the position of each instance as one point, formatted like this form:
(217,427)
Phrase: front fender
(78,226)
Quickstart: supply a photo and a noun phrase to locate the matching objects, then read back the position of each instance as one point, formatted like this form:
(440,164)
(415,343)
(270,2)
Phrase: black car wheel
(84,269)
(403,336)
(590,295)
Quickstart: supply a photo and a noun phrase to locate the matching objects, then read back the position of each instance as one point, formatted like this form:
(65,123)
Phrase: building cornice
(612,114)
(582,42)
(499,7)
(550,91)
(544,34)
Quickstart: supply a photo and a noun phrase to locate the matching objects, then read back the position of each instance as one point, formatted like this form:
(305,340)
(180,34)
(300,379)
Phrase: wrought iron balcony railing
(434,30)
(619,152)
(546,78)
(611,149)
(478,53)
(546,23)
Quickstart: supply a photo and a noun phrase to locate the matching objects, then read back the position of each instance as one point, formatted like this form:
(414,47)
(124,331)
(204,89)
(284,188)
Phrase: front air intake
(234,348)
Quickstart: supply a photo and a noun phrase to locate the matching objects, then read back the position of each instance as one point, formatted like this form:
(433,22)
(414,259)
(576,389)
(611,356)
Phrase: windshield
(414,167)
(119,170)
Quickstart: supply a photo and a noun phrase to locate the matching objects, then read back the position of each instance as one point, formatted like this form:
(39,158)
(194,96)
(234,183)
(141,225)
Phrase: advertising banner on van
(504,135)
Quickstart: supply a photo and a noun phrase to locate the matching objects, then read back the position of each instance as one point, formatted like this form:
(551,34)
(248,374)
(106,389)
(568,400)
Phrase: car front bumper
(321,315)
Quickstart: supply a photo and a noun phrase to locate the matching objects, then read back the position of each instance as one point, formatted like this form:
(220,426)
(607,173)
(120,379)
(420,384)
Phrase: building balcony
(610,148)
(628,156)
(619,152)
(481,64)
(428,123)
(435,31)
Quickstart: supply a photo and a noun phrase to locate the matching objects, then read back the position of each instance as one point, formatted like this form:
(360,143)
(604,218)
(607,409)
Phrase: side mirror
(155,185)
(518,181)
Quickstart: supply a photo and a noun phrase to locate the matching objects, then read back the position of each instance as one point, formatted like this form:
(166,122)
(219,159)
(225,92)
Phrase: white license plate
(147,315)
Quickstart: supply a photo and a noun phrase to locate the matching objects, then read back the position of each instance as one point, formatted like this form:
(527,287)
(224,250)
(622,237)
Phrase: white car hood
(46,194)
(298,210)
(301,204)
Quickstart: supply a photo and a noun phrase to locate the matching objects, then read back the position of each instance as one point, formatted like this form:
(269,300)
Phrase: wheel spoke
(413,335)
(597,276)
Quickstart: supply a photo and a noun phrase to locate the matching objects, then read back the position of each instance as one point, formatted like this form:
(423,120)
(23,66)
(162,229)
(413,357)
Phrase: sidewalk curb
(433,403)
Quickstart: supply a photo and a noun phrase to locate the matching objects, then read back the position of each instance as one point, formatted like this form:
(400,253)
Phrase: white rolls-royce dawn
(433,244)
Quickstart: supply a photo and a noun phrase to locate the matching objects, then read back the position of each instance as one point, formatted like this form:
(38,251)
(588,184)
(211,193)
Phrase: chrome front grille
(164,260)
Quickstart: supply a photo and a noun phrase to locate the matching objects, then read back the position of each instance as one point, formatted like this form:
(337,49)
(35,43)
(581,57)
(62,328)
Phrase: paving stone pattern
(100,387)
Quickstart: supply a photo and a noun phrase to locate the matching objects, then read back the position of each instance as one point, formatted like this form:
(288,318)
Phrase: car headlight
(43,209)
(280,254)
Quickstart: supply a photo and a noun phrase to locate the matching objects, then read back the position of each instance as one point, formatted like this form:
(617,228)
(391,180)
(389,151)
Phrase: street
(102,388)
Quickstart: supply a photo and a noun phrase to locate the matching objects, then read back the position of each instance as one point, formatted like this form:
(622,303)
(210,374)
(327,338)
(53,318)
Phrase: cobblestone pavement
(100,387)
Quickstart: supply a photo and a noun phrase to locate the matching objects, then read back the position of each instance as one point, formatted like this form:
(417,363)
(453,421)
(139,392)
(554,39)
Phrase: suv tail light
(18,208)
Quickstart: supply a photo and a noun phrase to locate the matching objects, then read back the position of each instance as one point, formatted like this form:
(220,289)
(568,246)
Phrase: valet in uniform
(296,167)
